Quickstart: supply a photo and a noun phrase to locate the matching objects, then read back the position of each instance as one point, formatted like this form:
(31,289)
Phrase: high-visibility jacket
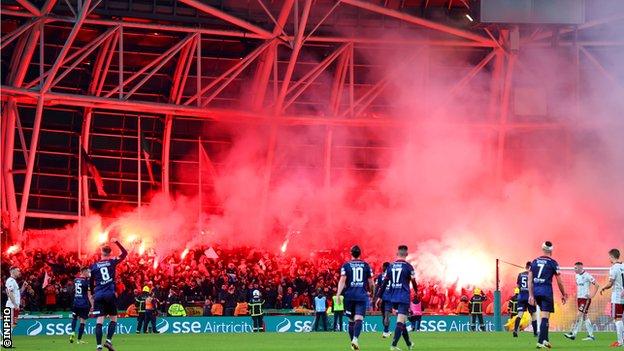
(217,309)
(177,310)
(241,309)
(338,303)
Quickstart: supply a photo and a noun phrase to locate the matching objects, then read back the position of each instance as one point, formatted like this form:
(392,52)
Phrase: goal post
(565,315)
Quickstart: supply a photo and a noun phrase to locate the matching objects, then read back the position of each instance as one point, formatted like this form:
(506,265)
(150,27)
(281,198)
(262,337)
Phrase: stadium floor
(311,341)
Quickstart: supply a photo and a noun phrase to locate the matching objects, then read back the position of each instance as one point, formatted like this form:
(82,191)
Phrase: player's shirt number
(523,281)
(396,274)
(541,268)
(78,289)
(358,274)
(104,273)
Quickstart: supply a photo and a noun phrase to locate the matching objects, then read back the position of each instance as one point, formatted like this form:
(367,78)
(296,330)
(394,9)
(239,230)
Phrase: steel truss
(273,92)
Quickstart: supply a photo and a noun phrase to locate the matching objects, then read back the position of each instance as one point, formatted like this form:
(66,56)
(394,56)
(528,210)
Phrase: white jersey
(616,273)
(12,287)
(583,282)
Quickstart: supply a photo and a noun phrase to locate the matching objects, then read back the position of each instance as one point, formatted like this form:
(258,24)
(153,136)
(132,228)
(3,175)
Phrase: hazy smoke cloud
(436,188)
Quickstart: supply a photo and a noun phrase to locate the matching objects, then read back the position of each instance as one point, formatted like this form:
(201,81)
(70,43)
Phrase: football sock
(534,325)
(73,325)
(111,331)
(98,335)
(357,328)
(517,324)
(398,331)
(619,329)
(351,327)
(386,323)
(406,337)
(543,335)
(81,330)
(577,326)
(590,327)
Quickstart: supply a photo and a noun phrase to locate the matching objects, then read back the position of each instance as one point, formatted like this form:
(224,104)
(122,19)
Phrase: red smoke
(431,185)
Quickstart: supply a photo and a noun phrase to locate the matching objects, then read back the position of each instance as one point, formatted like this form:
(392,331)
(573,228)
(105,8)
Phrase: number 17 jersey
(400,273)
(357,273)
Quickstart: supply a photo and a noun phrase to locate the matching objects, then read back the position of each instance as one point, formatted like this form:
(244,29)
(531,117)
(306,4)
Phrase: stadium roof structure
(113,75)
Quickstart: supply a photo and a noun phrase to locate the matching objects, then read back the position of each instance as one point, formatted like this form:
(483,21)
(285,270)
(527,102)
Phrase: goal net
(565,315)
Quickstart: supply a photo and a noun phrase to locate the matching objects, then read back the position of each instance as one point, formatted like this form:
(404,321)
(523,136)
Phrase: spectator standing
(320,309)
(338,308)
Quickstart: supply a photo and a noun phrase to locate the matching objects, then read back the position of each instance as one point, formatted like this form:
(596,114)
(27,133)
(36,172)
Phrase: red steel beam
(180,76)
(34,141)
(19,66)
(232,70)
(504,114)
(419,21)
(30,97)
(9,37)
(158,60)
(266,62)
(30,7)
(228,18)
(235,34)
(298,43)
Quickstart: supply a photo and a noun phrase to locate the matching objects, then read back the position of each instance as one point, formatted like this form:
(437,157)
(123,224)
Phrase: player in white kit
(616,281)
(13,295)
(586,289)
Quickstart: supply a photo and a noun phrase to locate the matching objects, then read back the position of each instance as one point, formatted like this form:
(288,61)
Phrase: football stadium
(303,175)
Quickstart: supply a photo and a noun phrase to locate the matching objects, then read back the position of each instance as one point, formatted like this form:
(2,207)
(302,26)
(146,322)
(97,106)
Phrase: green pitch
(311,341)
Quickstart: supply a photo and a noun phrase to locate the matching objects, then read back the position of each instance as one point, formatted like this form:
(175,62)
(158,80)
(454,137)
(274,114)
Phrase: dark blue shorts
(400,307)
(105,305)
(523,306)
(545,303)
(81,312)
(355,308)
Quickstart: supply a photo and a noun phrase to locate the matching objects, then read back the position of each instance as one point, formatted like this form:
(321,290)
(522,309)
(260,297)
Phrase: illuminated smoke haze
(436,188)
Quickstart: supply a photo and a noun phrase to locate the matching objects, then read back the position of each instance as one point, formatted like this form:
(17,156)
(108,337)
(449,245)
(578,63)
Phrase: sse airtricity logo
(283,326)
(35,329)
(162,326)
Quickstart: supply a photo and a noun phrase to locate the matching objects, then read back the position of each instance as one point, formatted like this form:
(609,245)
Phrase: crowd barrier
(194,325)
(273,324)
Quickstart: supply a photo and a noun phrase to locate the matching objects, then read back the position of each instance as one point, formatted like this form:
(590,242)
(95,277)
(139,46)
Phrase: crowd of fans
(216,285)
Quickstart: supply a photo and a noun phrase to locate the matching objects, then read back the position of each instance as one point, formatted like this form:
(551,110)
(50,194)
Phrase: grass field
(311,341)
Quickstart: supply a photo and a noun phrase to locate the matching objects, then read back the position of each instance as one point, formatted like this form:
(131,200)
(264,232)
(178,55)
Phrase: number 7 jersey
(103,275)
(544,269)
(357,273)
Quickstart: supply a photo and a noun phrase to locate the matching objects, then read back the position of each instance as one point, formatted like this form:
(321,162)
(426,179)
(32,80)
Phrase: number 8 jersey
(103,275)
(358,273)
(544,269)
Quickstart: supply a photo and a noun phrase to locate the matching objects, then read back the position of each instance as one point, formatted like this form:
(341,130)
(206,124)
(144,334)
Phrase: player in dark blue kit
(385,316)
(543,269)
(105,299)
(82,304)
(399,275)
(523,301)
(355,283)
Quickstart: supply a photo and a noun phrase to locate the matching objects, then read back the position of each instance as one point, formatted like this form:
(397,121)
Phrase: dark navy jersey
(357,273)
(103,275)
(523,285)
(400,274)
(379,282)
(81,293)
(544,269)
